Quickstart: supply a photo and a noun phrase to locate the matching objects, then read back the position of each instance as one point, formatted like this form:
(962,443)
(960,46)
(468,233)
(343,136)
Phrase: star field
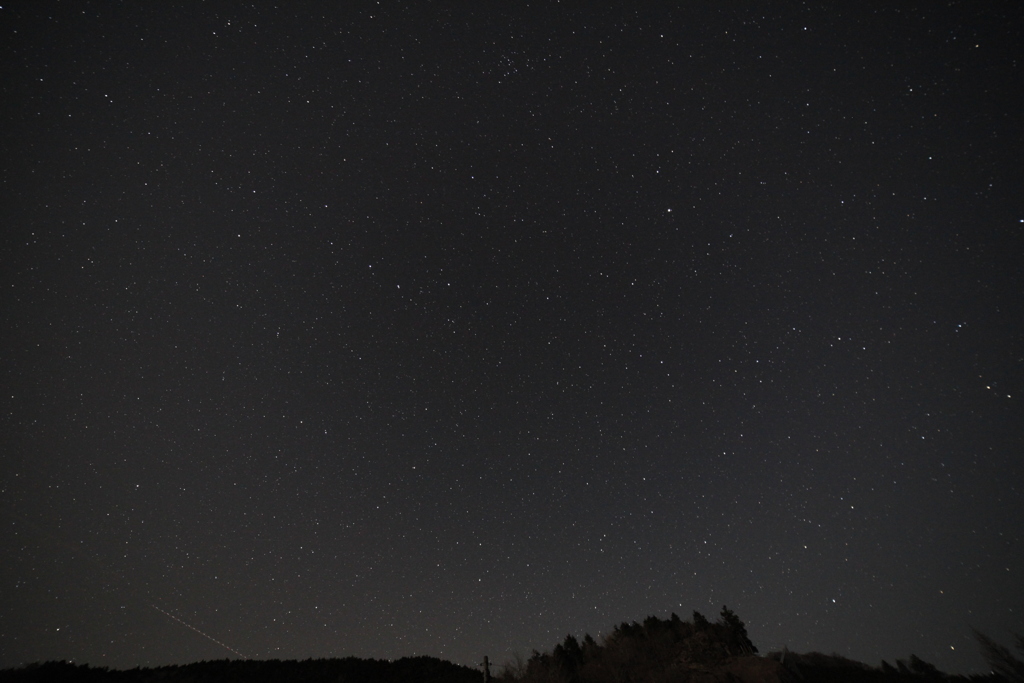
(405,329)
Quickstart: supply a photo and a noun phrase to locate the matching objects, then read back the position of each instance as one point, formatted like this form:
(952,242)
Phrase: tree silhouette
(923,668)
(1000,658)
(737,631)
(700,622)
(568,657)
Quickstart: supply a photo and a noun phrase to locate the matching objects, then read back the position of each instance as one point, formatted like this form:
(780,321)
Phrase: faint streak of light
(199,632)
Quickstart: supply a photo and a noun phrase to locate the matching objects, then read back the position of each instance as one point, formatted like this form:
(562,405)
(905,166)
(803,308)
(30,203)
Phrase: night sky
(406,329)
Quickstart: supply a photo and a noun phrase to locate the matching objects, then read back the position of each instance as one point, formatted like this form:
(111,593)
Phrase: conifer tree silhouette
(737,631)
(700,622)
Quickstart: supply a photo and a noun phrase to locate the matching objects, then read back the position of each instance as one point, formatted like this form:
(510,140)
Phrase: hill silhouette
(347,670)
(654,651)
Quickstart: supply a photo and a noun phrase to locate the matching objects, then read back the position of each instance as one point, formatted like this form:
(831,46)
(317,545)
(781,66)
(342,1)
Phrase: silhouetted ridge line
(701,651)
(348,670)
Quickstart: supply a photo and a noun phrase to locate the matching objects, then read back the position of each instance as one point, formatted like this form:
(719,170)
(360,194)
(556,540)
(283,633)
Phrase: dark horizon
(651,649)
(397,329)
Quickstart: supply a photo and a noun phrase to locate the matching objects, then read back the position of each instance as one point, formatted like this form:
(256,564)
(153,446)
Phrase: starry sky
(401,328)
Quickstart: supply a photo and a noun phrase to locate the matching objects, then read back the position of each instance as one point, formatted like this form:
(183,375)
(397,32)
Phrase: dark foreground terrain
(656,651)
(348,670)
(700,651)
